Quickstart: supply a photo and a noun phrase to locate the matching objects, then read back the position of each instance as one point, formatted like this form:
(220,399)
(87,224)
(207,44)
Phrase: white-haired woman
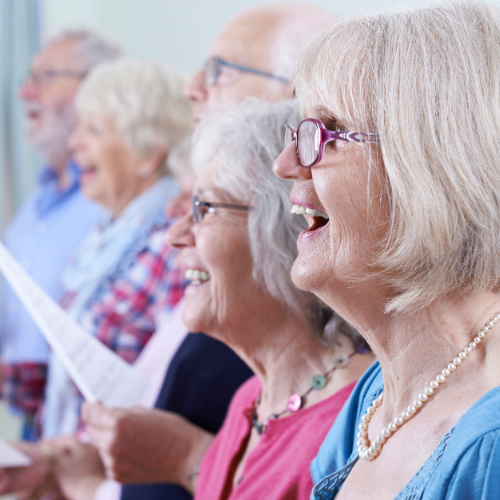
(237,247)
(410,253)
(130,114)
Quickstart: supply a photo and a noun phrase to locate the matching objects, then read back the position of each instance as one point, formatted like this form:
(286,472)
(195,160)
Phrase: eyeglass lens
(288,137)
(309,140)
(211,69)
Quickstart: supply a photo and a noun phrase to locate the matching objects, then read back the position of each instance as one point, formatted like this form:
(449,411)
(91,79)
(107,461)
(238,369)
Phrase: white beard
(50,137)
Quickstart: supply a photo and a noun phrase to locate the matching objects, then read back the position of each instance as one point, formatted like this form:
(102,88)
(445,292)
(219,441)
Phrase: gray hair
(91,48)
(179,159)
(244,141)
(144,99)
(426,81)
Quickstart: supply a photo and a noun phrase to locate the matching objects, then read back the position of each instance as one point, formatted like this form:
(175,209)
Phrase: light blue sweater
(465,465)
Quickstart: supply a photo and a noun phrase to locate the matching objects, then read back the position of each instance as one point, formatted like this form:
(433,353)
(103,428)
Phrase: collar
(49,193)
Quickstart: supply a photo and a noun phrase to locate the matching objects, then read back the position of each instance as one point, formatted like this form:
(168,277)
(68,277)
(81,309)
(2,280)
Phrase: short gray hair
(144,99)
(91,48)
(244,141)
(426,80)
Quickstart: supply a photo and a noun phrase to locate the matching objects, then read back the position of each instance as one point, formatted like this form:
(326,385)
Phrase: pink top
(278,468)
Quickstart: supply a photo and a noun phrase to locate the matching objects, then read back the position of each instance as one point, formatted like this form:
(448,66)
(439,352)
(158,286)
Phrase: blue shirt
(464,466)
(43,234)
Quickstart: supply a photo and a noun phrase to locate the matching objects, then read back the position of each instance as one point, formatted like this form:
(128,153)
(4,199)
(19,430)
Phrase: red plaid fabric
(122,317)
(23,385)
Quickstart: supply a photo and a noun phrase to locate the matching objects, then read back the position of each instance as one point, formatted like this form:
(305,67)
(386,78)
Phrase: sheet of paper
(99,373)
(12,457)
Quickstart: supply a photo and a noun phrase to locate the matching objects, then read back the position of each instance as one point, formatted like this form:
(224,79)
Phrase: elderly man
(55,219)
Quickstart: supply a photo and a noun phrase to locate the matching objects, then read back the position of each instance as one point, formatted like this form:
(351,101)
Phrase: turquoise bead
(318,382)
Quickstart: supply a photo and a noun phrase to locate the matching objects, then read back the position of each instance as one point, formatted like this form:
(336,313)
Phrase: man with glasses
(56,218)
(253,56)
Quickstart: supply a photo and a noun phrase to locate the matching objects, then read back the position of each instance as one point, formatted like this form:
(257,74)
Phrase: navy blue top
(464,466)
(199,384)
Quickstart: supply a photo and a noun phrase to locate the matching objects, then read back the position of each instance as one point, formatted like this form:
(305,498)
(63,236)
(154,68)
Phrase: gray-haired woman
(237,248)
(410,253)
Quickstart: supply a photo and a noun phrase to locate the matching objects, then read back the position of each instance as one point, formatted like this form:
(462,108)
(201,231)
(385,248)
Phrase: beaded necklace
(296,401)
(368,451)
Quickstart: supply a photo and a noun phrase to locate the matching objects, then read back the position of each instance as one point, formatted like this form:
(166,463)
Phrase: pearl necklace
(368,451)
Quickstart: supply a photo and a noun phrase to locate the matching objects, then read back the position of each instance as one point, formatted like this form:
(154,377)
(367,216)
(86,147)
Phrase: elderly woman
(130,114)
(410,250)
(237,248)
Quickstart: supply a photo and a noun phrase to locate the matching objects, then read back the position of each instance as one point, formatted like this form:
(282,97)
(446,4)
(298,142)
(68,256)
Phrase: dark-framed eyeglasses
(213,71)
(201,208)
(45,77)
(311,136)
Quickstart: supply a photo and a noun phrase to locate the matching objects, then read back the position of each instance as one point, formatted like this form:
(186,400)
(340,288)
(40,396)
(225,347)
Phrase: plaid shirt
(122,316)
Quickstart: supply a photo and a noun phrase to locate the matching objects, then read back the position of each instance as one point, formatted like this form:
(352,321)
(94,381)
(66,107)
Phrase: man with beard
(55,219)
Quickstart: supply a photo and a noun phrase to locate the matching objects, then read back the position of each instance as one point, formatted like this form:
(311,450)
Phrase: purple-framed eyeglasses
(311,137)
(200,208)
(212,71)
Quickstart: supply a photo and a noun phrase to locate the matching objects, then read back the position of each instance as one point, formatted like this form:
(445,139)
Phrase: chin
(303,275)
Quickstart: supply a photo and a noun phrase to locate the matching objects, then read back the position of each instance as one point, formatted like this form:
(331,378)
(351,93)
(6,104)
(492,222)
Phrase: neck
(284,353)
(135,190)
(413,348)
(61,167)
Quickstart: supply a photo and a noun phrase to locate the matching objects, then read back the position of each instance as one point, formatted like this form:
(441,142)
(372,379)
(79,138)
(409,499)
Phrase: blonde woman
(401,151)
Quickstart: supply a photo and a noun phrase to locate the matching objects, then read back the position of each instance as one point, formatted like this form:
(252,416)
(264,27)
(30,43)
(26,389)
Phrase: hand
(32,478)
(79,470)
(145,446)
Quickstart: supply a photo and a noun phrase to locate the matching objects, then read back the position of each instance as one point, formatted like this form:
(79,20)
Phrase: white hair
(144,100)
(90,48)
(244,141)
(427,81)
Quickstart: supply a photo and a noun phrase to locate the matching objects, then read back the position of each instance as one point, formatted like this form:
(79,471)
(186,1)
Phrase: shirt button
(41,226)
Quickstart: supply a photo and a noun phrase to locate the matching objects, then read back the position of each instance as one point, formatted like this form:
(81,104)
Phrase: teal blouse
(465,465)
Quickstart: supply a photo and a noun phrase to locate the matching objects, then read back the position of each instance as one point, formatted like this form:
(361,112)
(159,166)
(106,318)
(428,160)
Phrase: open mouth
(315,218)
(196,276)
(86,171)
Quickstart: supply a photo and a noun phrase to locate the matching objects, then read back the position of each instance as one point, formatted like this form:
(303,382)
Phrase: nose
(179,205)
(196,89)
(287,165)
(28,90)
(180,235)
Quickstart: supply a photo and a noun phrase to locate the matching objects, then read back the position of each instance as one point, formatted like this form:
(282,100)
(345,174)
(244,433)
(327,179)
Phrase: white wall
(172,31)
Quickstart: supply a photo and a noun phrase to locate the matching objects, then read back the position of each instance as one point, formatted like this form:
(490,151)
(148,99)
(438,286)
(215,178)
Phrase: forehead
(57,54)
(244,41)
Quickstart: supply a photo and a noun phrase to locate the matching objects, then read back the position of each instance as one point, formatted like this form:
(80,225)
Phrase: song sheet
(12,457)
(99,373)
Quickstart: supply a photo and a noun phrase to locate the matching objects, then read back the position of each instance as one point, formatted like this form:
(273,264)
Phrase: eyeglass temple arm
(344,135)
(245,208)
(254,71)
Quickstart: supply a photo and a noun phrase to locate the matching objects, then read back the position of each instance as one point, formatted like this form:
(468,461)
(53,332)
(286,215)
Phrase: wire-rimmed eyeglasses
(44,77)
(213,65)
(200,208)
(311,136)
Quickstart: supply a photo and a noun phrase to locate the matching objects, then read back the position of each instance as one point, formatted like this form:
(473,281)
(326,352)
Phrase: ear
(152,163)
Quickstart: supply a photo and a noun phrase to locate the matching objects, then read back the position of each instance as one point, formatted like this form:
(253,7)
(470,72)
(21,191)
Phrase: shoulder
(339,442)
(471,460)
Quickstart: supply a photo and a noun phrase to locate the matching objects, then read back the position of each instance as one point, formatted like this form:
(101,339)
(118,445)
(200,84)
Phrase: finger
(4,482)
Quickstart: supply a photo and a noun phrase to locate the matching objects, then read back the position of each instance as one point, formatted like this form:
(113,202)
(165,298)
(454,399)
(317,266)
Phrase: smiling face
(215,255)
(48,99)
(335,253)
(112,174)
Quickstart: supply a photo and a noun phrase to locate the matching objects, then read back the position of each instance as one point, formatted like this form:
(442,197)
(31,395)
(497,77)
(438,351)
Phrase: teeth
(196,276)
(299,209)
